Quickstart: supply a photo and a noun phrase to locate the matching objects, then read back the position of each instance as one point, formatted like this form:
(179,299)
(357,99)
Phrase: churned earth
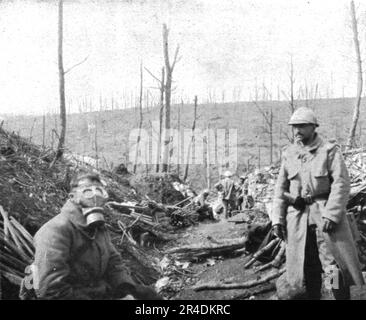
(226,269)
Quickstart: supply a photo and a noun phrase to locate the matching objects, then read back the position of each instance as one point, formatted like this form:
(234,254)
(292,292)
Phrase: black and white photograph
(193,151)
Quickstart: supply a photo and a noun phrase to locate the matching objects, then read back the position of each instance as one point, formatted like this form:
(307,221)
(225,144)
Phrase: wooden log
(24,232)
(142,216)
(15,234)
(13,261)
(179,203)
(244,285)
(13,278)
(5,223)
(236,243)
(14,250)
(262,251)
(201,251)
(276,262)
(29,248)
(11,270)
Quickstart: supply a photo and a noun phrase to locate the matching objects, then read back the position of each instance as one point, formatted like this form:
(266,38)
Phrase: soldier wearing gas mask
(74,256)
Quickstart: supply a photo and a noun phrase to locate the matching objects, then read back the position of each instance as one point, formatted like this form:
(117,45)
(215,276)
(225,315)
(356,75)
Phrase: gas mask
(92,200)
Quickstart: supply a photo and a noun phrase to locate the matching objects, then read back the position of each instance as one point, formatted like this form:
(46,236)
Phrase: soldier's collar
(314,145)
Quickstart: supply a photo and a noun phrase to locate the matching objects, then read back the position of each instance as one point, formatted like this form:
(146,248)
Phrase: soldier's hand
(279,231)
(299,204)
(146,293)
(328,225)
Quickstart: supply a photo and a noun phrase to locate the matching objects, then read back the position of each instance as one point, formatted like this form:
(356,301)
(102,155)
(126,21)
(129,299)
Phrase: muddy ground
(218,269)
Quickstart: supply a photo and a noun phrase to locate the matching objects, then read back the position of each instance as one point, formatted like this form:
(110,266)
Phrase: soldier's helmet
(228,174)
(303,116)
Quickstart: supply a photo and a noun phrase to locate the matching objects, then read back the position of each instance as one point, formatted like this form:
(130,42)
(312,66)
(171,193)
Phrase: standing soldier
(228,193)
(310,210)
(242,192)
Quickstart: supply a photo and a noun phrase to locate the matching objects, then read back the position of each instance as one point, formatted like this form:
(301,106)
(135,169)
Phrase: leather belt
(309,199)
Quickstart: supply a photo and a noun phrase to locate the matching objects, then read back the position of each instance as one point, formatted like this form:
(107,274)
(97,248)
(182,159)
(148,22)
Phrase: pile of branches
(184,214)
(30,190)
(16,249)
(158,216)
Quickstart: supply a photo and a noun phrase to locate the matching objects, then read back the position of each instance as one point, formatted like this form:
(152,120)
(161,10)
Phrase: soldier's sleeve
(279,209)
(340,185)
(51,261)
(117,274)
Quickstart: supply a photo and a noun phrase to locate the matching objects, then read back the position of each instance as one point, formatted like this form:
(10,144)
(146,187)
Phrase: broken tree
(168,93)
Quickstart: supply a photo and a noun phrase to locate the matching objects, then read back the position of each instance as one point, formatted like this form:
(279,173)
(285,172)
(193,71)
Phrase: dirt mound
(30,191)
(158,187)
(33,193)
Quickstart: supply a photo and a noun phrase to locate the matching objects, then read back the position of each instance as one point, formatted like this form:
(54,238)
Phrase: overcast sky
(225,44)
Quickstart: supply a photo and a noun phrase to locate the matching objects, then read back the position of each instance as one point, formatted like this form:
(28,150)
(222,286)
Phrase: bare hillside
(108,131)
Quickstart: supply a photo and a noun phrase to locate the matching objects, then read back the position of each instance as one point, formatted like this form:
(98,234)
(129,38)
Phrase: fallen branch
(199,251)
(262,251)
(153,228)
(277,261)
(244,285)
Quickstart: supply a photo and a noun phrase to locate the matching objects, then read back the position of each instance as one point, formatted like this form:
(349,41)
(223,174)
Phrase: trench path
(228,269)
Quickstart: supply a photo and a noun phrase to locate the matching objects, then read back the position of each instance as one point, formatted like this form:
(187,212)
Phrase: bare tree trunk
(292,81)
(179,139)
(168,92)
(61,73)
(356,112)
(292,103)
(31,130)
(141,119)
(162,88)
(96,143)
(43,131)
(168,87)
(192,140)
(208,160)
(270,126)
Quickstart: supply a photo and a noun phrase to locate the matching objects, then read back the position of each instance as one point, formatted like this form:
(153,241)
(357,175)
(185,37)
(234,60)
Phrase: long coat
(73,264)
(317,169)
(228,188)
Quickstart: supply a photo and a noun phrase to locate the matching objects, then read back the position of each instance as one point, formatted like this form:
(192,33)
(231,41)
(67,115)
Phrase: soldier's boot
(313,284)
(312,266)
(343,292)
